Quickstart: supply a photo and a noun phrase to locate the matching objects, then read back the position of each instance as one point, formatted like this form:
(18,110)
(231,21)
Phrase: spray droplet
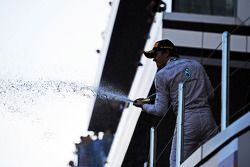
(14,94)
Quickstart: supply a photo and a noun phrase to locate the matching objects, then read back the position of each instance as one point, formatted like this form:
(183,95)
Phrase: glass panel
(209,7)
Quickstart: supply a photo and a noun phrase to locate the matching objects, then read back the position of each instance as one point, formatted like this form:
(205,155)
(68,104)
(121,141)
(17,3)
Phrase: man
(199,125)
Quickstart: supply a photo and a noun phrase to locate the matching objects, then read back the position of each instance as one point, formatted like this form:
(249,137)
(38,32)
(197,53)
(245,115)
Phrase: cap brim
(149,54)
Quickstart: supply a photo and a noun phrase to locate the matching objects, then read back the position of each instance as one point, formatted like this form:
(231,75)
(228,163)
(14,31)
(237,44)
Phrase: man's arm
(162,98)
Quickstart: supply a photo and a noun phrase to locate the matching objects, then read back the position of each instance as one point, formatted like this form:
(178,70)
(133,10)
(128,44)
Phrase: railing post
(225,80)
(152,147)
(180,119)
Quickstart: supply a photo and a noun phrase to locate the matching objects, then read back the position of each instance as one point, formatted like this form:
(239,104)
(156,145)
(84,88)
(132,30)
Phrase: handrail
(152,147)
(180,119)
(225,80)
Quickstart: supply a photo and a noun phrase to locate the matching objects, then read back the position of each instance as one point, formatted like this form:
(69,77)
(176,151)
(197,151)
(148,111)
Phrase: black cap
(160,45)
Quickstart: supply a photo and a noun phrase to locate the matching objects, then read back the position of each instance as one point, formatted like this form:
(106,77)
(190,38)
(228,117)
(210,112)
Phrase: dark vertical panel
(131,28)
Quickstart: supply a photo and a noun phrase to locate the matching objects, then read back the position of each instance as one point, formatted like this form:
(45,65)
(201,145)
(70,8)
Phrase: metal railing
(225,80)
(180,120)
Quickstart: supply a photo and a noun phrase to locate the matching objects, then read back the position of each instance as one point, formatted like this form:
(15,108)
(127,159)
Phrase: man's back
(196,83)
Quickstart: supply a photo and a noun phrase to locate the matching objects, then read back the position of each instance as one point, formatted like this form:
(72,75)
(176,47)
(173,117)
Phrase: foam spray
(15,93)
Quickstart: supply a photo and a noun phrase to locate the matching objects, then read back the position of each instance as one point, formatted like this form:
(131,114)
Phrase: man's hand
(139,102)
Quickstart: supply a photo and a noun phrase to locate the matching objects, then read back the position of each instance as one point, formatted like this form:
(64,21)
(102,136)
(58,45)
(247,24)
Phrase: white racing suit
(199,124)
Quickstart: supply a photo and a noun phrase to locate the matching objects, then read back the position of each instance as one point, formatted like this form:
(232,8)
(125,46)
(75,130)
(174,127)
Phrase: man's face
(161,58)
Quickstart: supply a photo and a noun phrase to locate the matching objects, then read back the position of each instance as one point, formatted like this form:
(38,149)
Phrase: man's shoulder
(178,65)
(192,62)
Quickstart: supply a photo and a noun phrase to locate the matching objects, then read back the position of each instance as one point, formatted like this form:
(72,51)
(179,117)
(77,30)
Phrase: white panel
(238,43)
(248,44)
(107,37)
(225,152)
(193,159)
(211,40)
(140,87)
(184,38)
